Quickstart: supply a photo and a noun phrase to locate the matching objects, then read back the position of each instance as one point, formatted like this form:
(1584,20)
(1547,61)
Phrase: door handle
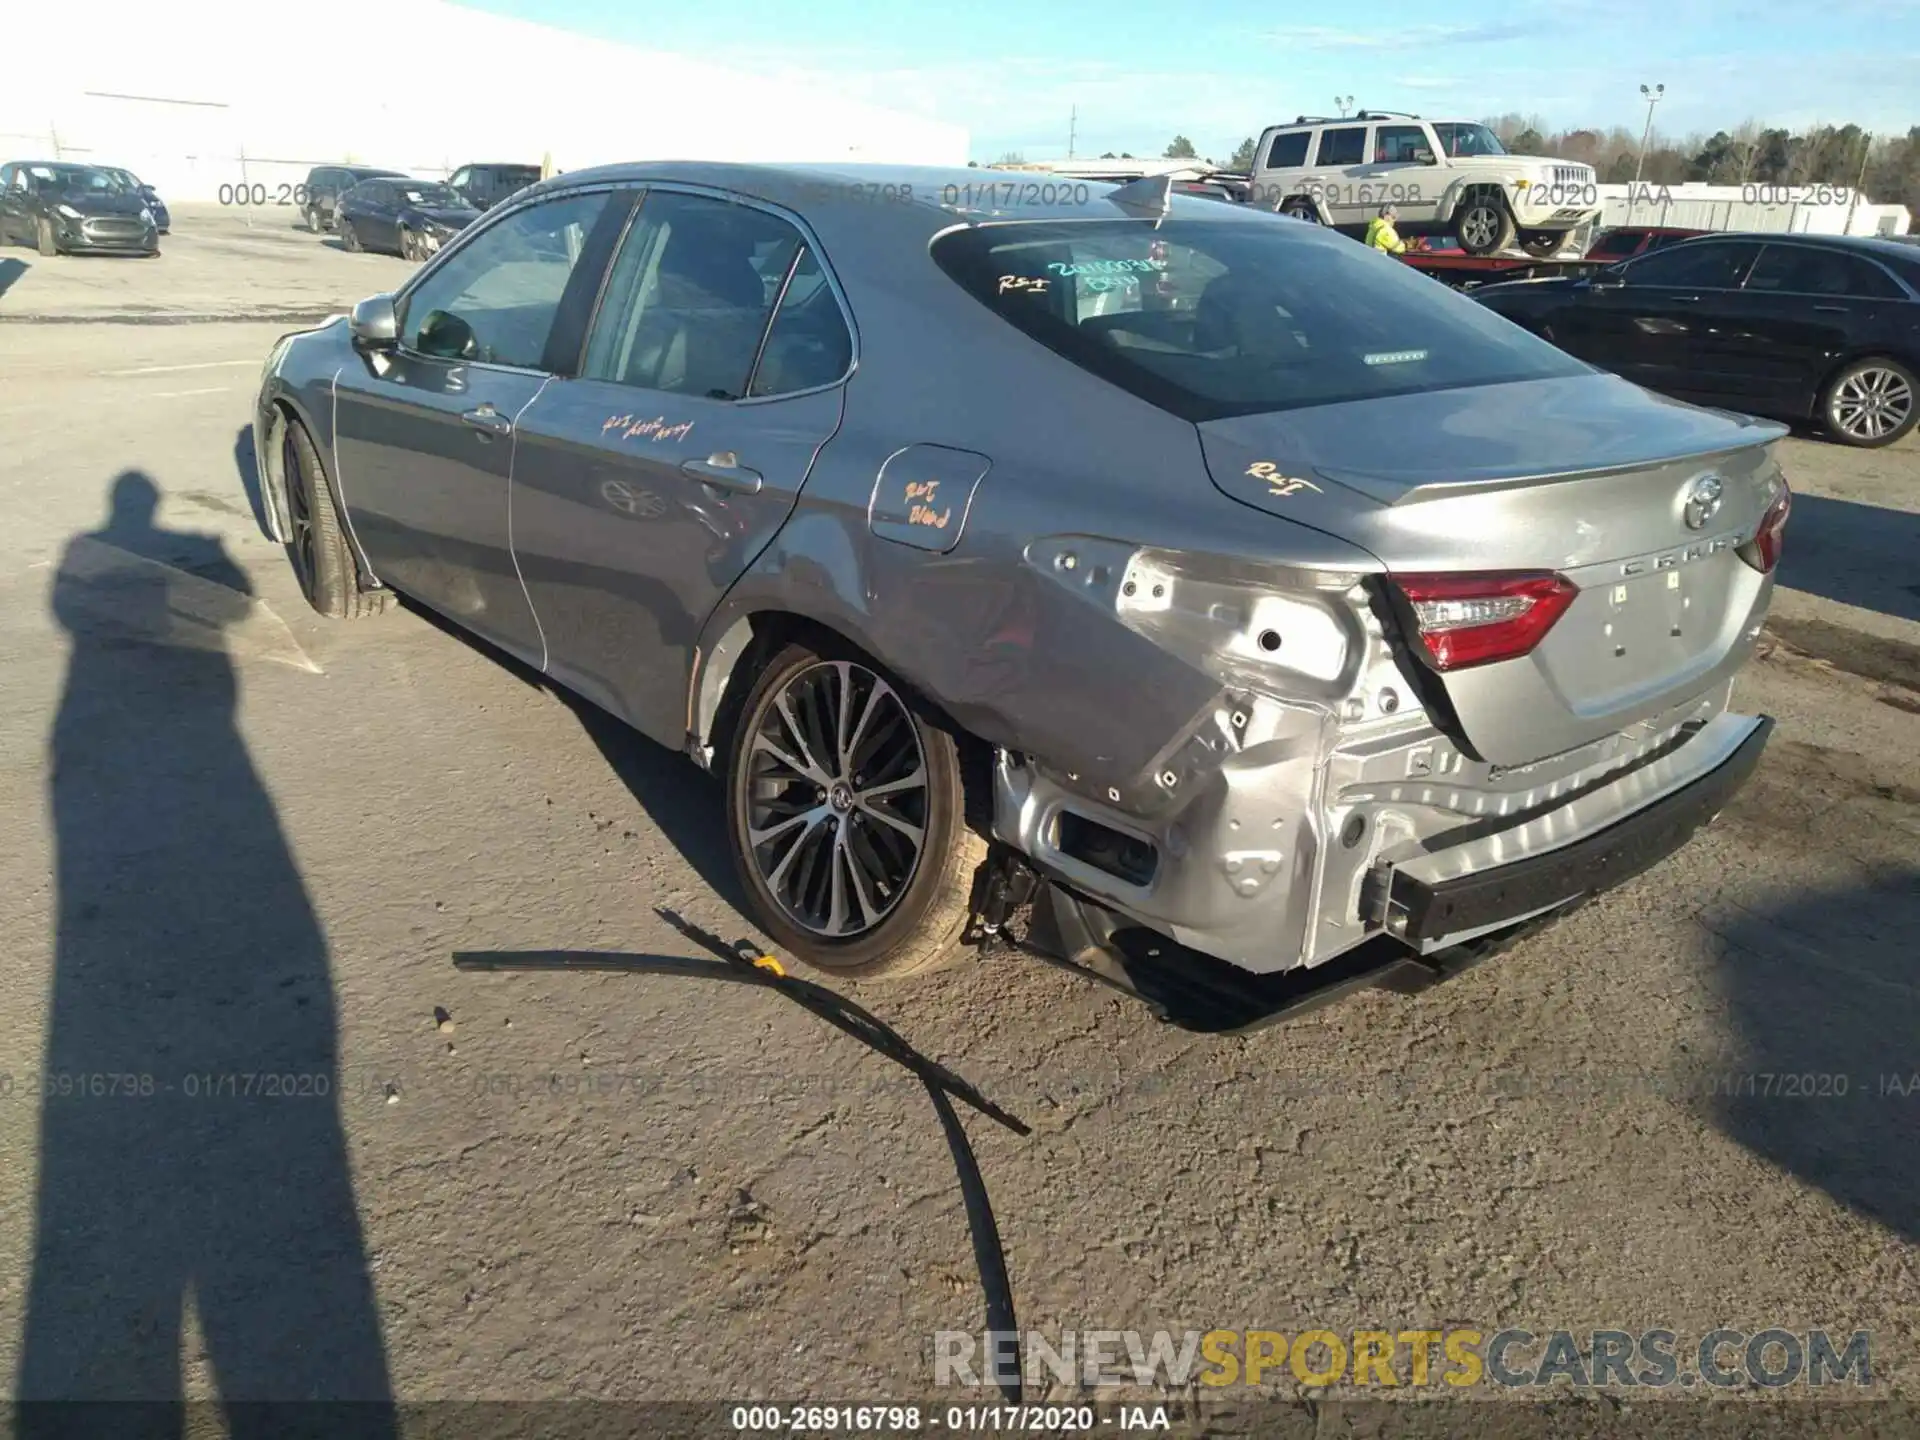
(1830,310)
(1684,299)
(723,471)
(488,420)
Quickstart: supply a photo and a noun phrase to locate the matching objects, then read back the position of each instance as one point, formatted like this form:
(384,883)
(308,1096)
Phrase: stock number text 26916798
(259,193)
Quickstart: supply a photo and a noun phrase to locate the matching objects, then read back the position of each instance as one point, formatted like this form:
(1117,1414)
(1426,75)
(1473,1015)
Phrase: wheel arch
(278,409)
(1460,190)
(1322,215)
(1908,360)
(737,646)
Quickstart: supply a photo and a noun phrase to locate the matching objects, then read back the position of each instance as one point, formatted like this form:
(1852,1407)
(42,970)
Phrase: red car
(1623,242)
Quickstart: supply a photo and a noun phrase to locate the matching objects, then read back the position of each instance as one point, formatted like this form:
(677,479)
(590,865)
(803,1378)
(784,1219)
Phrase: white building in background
(204,97)
(1801,209)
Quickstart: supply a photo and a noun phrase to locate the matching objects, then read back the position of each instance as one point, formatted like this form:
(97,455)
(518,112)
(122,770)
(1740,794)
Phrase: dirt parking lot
(548,1187)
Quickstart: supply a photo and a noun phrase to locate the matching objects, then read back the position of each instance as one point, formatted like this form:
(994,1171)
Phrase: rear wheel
(43,237)
(349,237)
(312,218)
(1483,224)
(1300,208)
(846,814)
(1541,243)
(1870,403)
(317,545)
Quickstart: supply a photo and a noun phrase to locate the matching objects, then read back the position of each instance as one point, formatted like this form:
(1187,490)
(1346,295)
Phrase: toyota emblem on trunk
(1703,501)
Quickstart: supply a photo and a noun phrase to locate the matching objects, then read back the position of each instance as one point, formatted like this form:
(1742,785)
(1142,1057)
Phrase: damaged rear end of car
(1473,639)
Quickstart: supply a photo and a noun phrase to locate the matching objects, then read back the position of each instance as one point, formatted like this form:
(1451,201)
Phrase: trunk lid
(1585,476)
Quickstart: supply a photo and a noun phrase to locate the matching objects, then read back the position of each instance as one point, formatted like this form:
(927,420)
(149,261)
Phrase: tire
(349,237)
(43,237)
(1542,243)
(317,546)
(410,246)
(1300,208)
(312,218)
(908,913)
(1482,223)
(1870,403)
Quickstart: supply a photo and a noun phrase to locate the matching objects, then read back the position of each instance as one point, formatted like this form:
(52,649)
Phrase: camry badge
(1703,501)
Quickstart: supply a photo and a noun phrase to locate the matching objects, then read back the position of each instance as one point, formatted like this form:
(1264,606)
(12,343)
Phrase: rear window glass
(1289,151)
(1214,318)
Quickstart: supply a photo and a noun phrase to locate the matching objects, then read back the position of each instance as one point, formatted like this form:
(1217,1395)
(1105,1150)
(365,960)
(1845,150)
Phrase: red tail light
(1467,620)
(1763,552)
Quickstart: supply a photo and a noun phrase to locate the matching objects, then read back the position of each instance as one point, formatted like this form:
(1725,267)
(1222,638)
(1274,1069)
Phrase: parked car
(1442,176)
(1344,614)
(405,217)
(61,208)
(485,186)
(161,219)
(325,184)
(1623,242)
(1805,327)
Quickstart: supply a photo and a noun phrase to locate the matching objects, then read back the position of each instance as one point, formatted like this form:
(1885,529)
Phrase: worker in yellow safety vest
(1382,236)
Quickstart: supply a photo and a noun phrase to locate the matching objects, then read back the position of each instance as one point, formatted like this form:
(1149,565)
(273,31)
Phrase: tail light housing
(1763,551)
(1477,619)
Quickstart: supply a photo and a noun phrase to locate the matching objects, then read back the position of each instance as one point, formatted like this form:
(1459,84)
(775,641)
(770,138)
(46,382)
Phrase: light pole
(1344,102)
(1653,94)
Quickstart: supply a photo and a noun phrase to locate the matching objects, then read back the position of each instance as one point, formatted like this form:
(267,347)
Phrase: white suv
(1441,176)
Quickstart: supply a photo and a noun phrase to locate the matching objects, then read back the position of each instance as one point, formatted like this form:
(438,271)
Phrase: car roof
(829,191)
(1865,244)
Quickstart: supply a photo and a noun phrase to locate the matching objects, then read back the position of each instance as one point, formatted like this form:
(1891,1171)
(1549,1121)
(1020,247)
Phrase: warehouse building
(225,99)
(1797,209)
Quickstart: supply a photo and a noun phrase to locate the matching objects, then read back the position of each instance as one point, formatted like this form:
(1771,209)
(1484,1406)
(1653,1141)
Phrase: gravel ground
(252,849)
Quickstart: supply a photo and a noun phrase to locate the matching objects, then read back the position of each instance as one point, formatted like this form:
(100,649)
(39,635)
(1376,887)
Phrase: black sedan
(161,219)
(61,209)
(409,218)
(1803,327)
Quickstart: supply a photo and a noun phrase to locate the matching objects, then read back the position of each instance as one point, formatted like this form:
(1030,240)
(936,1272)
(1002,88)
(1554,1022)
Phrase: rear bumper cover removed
(1452,893)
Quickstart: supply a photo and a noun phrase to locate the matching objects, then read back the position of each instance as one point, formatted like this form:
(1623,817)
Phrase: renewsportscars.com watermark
(1452,1358)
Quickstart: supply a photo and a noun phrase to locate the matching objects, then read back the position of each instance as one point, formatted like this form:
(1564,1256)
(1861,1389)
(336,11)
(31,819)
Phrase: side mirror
(1424,157)
(447,337)
(374,324)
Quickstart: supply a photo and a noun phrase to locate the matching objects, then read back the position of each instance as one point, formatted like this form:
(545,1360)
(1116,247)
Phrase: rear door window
(690,296)
(1346,145)
(1812,270)
(1214,318)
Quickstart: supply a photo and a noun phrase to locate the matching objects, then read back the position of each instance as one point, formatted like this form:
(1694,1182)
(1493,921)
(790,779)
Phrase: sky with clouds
(1013,72)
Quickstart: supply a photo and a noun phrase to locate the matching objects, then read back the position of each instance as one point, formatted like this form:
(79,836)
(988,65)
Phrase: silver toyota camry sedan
(1228,584)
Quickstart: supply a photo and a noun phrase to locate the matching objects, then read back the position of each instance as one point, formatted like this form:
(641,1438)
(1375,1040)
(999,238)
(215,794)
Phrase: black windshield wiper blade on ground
(737,965)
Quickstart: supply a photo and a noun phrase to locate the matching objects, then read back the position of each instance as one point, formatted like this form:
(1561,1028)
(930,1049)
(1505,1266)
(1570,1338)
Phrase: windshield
(67,179)
(1462,139)
(1212,318)
(426,193)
